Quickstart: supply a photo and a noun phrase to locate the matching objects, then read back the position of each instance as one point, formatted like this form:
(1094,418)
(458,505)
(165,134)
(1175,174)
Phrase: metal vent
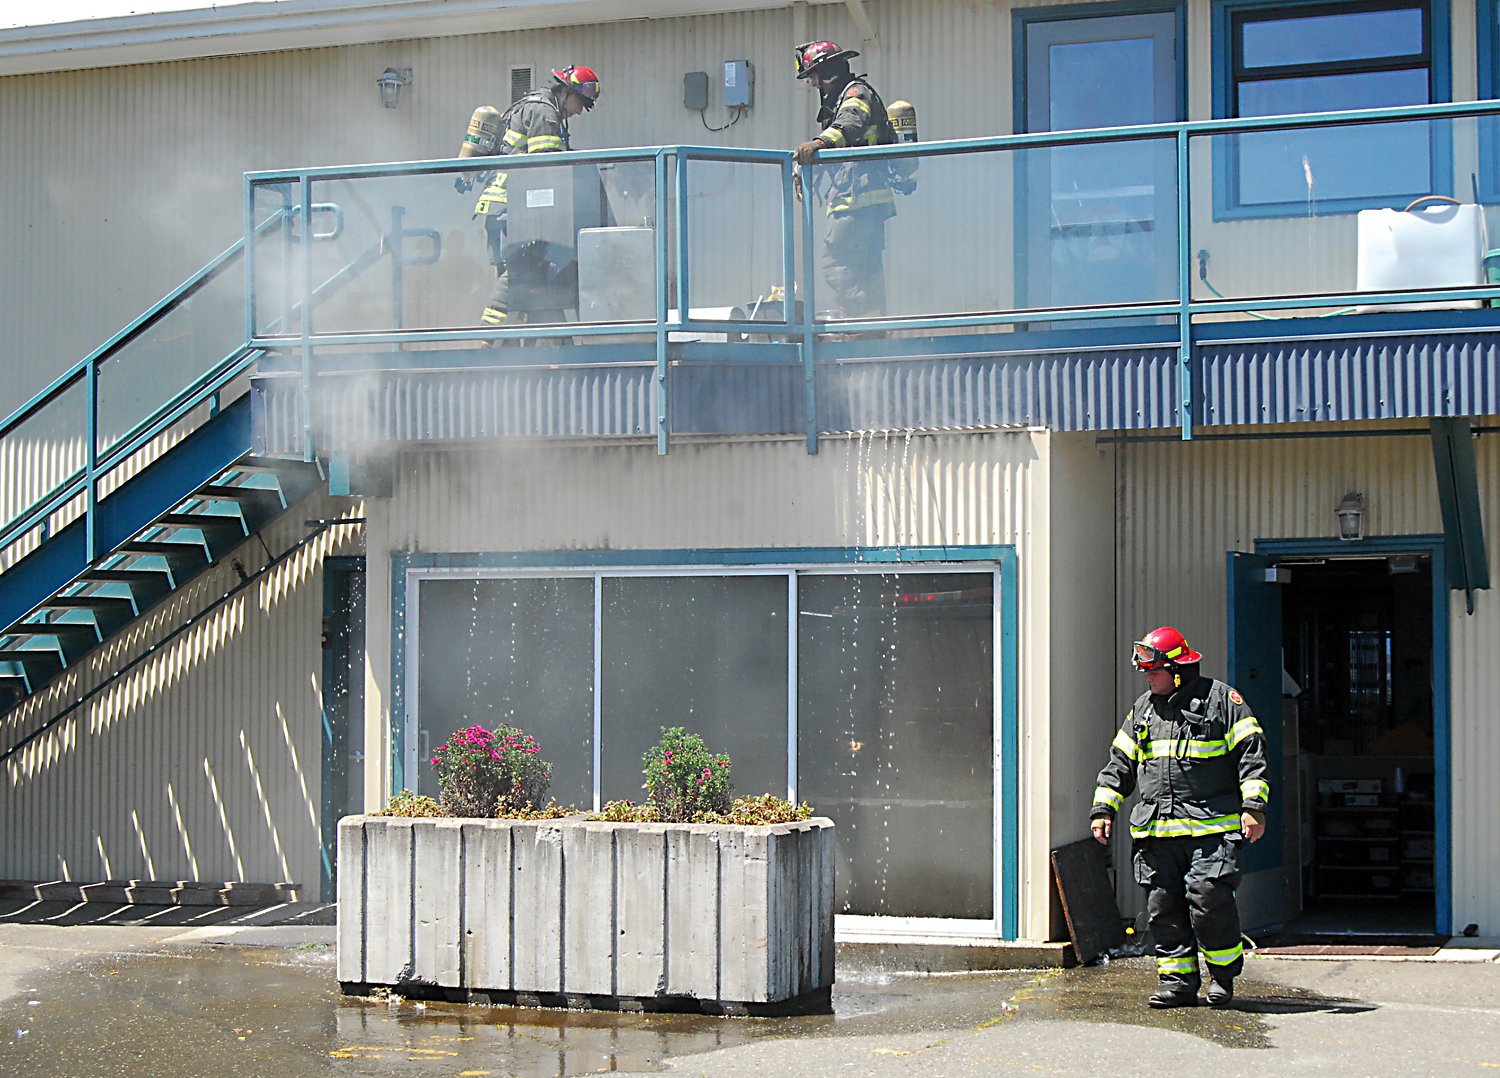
(520,83)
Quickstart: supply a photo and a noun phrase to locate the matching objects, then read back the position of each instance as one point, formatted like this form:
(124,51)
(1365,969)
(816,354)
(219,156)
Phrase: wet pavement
(137,1005)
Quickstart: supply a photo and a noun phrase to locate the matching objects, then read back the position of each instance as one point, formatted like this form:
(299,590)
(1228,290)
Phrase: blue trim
(1008,847)
(1487,41)
(1226,204)
(1434,547)
(1010,746)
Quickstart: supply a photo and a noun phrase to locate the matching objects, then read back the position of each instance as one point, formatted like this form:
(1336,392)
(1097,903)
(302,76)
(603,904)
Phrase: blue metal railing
(672,197)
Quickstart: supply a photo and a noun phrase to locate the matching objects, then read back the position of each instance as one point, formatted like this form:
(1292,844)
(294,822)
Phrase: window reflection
(895,734)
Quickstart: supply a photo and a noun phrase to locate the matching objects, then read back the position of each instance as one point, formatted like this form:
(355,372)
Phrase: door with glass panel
(1099,221)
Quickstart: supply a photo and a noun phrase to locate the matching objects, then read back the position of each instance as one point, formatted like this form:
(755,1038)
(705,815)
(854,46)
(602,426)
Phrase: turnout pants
(854,261)
(1190,901)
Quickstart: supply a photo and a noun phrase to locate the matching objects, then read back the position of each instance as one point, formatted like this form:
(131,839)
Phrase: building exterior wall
(881,490)
(1181,506)
(203,762)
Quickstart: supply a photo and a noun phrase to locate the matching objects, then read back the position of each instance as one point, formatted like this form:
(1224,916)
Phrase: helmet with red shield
(581,81)
(1163,649)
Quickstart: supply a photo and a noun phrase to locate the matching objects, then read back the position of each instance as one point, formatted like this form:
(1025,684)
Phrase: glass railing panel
(277,265)
(437,251)
(185,344)
(736,246)
(1321,211)
(43,452)
(998,230)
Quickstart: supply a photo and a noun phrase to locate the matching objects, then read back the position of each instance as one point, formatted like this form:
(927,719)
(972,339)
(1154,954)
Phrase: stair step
(75,639)
(200,520)
(163,550)
(147,586)
(221,493)
(111,613)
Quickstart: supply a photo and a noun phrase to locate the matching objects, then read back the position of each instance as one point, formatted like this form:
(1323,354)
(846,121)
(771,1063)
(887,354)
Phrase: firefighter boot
(1174,993)
(1220,990)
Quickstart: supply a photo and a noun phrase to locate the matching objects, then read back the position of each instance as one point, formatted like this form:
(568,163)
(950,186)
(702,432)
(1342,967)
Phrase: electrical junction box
(739,84)
(695,90)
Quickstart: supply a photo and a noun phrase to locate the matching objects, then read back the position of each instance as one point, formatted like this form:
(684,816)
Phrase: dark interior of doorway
(1357,641)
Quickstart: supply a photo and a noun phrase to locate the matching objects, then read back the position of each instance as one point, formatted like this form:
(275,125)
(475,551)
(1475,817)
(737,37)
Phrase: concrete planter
(611,915)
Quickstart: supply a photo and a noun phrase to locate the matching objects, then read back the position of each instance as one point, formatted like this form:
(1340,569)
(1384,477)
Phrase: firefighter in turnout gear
(861,199)
(1198,756)
(537,123)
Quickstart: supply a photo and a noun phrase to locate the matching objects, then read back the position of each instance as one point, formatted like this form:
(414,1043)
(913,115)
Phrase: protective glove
(463,184)
(806,154)
(797,183)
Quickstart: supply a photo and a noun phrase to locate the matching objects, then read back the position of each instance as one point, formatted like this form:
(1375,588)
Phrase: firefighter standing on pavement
(1198,756)
(537,123)
(861,200)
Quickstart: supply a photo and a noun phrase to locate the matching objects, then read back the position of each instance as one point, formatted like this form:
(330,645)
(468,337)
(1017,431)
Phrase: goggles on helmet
(1146,657)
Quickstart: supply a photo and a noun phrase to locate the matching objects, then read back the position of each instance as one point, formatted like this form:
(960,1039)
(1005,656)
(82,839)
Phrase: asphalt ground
(175,991)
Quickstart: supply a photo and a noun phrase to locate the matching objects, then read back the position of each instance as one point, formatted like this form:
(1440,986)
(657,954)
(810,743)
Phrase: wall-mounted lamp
(390,85)
(1351,514)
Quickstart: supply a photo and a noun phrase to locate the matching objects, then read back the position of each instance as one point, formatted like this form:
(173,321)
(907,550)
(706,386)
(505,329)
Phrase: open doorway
(1357,637)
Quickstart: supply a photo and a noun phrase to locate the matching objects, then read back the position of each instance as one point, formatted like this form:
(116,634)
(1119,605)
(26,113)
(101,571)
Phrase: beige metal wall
(204,762)
(871,490)
(1181,506)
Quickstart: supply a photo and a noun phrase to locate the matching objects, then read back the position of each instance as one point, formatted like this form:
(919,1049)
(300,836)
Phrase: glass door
(1100,221)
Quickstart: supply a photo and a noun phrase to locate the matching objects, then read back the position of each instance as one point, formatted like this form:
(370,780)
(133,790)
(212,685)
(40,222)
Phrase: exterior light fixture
(1351,514)
(390,85)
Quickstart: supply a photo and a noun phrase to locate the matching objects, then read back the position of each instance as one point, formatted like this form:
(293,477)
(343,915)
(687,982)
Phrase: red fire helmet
(582,81)
(1163,649)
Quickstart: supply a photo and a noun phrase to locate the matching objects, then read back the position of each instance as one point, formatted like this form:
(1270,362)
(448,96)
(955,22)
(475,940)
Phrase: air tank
(483,136)
(903,115)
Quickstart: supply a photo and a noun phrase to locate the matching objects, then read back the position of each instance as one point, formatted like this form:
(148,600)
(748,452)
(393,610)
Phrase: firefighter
(537,123)
(1198,756)
(861,199)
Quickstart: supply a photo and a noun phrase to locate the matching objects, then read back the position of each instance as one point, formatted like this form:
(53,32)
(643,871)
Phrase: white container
(1431,246)
(737,919)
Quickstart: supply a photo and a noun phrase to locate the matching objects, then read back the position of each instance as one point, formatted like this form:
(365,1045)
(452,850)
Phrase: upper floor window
(1293,58)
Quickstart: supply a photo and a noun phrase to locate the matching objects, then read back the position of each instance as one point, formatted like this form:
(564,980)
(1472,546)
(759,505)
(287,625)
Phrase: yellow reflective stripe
(492,317)
(1255,790)
(1193,750)
(1246,727)
(1174,653)
(1126,744)
(1225,956)
(864,201)
(494,193)
(513,138)
(1214,825)
(1103,795)
(1184,964)
(854,103)
(543,143)
(832,135)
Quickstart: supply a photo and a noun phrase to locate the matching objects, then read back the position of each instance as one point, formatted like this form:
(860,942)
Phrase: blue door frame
(1431,546)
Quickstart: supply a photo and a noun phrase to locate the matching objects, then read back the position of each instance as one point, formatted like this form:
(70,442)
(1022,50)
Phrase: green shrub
(486,774)
(407,803)
(684,781)
(627,812)
(765,809)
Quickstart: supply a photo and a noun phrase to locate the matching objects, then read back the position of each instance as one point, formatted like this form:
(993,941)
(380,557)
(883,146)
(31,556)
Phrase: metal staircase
(144,509)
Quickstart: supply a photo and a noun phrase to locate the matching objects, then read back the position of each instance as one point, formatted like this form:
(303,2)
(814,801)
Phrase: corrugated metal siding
(1341,380)
(1114,390)
(204,762)
(1181,506)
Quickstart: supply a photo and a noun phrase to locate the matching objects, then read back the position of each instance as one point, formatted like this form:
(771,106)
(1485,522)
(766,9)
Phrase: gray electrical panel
(695,90)
(546,209)
(739,84)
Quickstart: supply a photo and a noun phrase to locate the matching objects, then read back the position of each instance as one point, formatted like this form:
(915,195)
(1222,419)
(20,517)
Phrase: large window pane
(895,736)
(708,654)
(520,652)
(1320,39)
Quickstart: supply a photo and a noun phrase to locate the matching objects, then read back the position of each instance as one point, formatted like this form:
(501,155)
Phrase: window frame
(409,570)
(1229,15)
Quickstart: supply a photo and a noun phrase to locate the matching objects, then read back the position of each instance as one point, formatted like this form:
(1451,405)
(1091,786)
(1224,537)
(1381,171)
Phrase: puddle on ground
(1117,993)
(258,1011)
